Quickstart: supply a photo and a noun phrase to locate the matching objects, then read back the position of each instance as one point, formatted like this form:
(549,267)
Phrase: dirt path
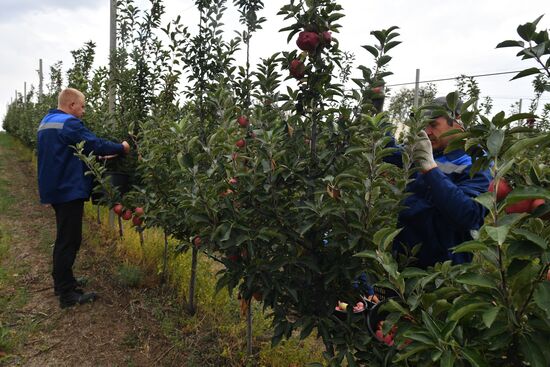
(117,330)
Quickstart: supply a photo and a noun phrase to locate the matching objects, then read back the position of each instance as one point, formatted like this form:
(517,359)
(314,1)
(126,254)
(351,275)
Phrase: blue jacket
(60,173)
(441,212)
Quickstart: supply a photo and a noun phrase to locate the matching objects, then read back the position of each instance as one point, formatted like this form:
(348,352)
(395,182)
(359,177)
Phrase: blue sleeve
(74,132)
(395,157)
(456,200)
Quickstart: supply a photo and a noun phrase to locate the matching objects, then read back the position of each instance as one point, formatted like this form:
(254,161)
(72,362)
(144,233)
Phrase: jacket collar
(451,156)
(55,110)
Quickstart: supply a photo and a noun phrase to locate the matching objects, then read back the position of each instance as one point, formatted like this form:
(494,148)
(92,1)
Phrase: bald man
(62,183)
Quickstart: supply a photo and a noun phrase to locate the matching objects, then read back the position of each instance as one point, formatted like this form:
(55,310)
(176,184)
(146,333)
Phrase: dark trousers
(68,217)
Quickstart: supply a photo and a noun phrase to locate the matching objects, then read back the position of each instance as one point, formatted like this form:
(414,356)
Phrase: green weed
(129,275)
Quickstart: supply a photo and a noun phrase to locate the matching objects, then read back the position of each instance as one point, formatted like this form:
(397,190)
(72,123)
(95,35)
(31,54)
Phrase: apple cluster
(127,214)
(308,41)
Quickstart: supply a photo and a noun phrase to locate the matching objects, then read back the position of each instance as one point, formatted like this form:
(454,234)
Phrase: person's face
(438,127)
(78,107)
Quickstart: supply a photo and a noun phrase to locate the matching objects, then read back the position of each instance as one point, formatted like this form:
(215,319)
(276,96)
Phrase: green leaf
(431,325)
(511,219)
(523,193)
(353,150)
(526,31)
(490,315)
(305,227)
(380,36)
(542,297)
(422,337)
(384,237)
(494,142)
(447,359)
(371,49)
(412,351)
(351,360)
(510,43)
(452,100)
(413,272)
(383,60)
(498,234)
(486,199)
(532,237)
(477,280)
(390,45)
(526,72)
(470,246)
(474,358)
(368,253)
(307,328)
(393,306)
(531,351)
(518,116)
(458,312)
(523,250)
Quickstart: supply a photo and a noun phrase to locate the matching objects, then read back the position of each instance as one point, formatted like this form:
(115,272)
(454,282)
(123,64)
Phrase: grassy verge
(12,297)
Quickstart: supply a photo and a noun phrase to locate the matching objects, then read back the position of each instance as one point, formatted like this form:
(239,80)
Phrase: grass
(129,275)
(12,299)
(14,327)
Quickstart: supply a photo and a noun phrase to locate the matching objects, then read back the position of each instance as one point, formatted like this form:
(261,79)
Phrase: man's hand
(423,153)
(126,147)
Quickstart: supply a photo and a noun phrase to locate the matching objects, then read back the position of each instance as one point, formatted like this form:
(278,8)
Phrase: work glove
(423,153)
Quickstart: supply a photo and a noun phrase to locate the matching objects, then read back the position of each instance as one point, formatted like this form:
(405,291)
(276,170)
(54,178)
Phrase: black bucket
(119,180)
(343,315)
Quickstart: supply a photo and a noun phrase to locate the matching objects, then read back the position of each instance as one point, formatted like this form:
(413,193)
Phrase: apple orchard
(276,171)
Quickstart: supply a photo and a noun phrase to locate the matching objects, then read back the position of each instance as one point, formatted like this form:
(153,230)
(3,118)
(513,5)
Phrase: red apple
(127,214)
(241,143)
(388,340)
(308,41)
(139,211)
(137,221)
(257,296)
(523,206)
(234,156)
(536,203)
(242,121)
(503,189)
(297,69)
(197,241)
(226,192)
(233,181)
(118,208)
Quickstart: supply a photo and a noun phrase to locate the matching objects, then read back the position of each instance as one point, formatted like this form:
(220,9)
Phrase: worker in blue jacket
(441,211)
(62,183)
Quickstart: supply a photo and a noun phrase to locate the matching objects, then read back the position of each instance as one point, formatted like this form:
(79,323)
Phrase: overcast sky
(441,38)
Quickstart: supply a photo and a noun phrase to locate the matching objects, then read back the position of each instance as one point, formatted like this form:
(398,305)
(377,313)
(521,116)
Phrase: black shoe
(80,282)
(73,298)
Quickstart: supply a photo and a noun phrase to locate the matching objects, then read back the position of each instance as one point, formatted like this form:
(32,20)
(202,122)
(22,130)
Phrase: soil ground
(119,329)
